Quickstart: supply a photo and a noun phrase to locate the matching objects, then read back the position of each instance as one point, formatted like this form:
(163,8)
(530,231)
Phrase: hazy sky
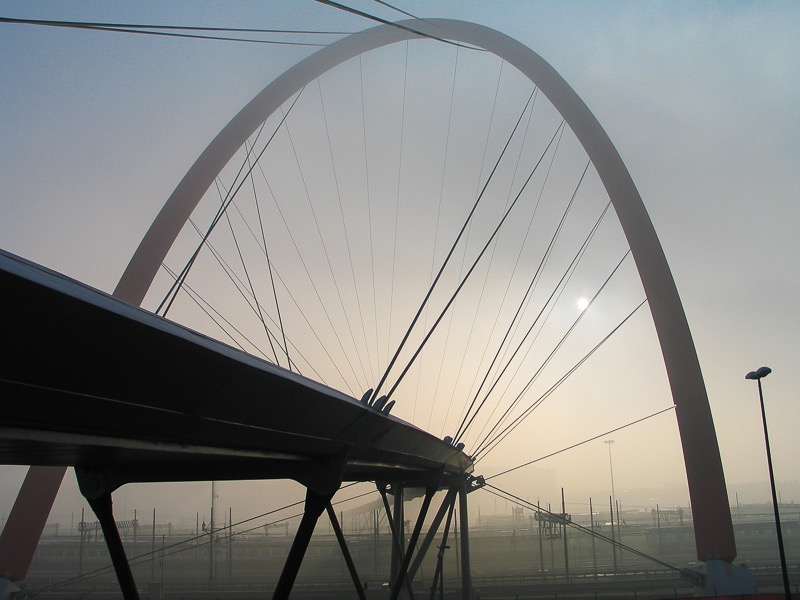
(700,99)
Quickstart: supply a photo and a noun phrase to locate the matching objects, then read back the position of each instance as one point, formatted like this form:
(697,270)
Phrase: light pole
(758,376)
(611,465)
(211,561)
(612,505)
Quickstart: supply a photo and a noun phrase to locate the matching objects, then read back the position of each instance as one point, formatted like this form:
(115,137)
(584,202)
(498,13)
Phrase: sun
(583,302)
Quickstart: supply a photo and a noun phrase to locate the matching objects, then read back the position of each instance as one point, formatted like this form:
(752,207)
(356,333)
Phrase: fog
(700,100)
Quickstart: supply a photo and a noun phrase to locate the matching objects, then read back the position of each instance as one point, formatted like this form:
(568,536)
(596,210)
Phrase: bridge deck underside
(90,381)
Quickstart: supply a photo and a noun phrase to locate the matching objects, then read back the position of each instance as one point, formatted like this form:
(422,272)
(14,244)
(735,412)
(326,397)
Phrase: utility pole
(211,534)
(611,466)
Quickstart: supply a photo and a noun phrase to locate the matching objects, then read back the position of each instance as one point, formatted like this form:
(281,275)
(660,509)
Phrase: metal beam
(399,533)
(348,559)
(463,518)
(396,541)
(401,575)
(95,488)
(438,575)
(315,504)
(447,503)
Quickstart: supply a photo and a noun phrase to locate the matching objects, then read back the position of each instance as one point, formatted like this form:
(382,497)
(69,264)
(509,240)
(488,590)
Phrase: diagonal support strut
(401,575)
(315,504)
(337,529)
(95,487)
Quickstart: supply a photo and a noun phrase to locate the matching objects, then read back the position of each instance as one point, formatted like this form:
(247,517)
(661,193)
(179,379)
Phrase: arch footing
(718,577)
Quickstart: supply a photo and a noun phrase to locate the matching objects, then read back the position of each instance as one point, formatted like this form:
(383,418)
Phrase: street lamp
(758,376)
(613,506)
(611,465)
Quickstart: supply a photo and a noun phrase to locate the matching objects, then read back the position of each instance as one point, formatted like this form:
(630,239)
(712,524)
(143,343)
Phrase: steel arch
(708,493)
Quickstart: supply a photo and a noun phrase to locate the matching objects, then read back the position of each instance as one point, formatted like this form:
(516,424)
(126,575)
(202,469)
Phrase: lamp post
(211,561)
(612,505)
(758,376)
(611,465)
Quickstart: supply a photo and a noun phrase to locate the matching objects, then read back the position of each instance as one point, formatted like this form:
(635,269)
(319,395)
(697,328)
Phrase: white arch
(713,527)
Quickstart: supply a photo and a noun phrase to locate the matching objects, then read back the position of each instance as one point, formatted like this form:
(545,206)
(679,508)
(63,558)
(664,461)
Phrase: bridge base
(7,589)
(723,578)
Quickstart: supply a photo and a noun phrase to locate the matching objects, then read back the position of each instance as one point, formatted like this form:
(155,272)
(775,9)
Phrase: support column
(398,549)
(153,551)
(541,545)
(438,575)
(345,552)
(594,549)
(376,541)
(396,543)
(613,538)
(102,507)
(401,576)
(463,517)
(315,504)
(444,509)
(96,487)
(564,535)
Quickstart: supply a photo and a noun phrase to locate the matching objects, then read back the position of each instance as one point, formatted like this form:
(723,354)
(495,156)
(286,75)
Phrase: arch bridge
(123,395)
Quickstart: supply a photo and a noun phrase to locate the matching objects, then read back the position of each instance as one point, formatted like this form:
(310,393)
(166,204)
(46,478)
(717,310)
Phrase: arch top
(713,526)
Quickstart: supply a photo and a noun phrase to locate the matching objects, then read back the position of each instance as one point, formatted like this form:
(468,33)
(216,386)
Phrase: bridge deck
(91,381)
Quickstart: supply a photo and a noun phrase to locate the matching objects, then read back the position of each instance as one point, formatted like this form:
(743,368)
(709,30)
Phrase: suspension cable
(176,33)
(397,201)
(469,234)
(471,269)
(316,293)
(447,258)
(175,288)
(499,311)
(438,221)
(561,519)
(567,276)
(256,306)
(369,208)
(371,17)
(436,230)
(269,264)
(259,312)
(488,445)
(330,267)
(400,10)
(344,228)
(208,309)
(55,23)
(586,441)
(466,424)
(241,288)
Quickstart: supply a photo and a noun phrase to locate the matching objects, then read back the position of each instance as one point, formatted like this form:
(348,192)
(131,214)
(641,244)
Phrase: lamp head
(759,374)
